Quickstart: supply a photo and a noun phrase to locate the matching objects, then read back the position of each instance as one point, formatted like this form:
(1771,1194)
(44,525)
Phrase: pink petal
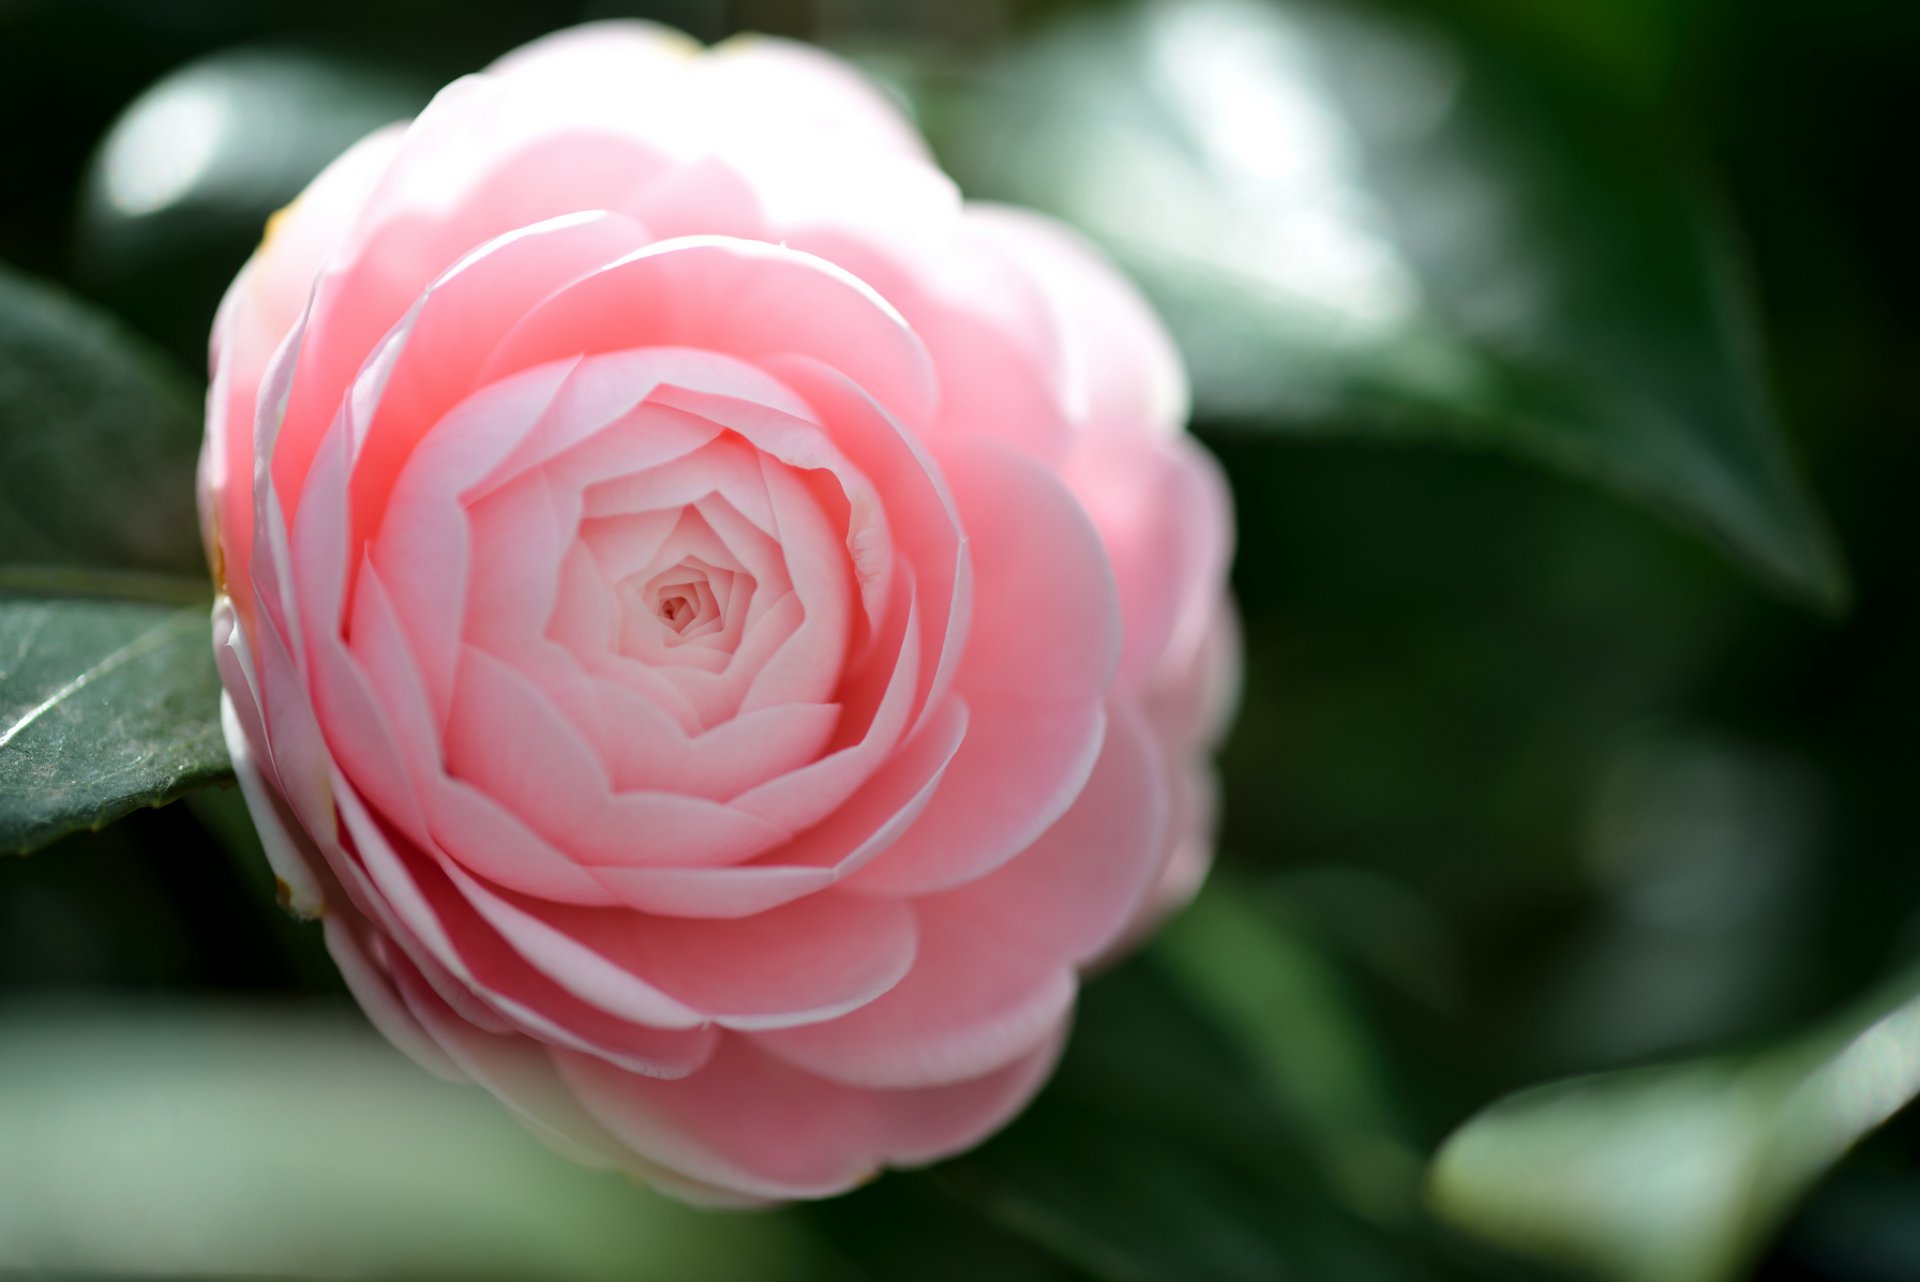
(439,929)
(738,297)
(846,840)
(1165,516)
(979,996)
(442,197)
(810,792)
(296,864)
(1077,888)
(1015,774)
(260,309)
(922,517)
(1040,655)
(1046,616)
(752,1123)
(352,944)
(810,93)
(812,959)
(508,740)
(1123,373)
(450,330)
(986,327)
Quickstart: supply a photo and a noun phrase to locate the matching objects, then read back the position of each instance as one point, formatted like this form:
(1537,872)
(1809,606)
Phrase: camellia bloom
(721,629)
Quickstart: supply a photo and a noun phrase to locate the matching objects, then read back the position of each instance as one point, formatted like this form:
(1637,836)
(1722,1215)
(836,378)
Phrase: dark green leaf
(182,185)
(1354,223)
(1280,1001)
(1679,1173)
(108,698)
(104,707)
(1179,1145)
(97,445)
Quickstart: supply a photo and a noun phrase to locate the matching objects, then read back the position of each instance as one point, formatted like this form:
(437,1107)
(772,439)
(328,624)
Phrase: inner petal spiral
(659,598)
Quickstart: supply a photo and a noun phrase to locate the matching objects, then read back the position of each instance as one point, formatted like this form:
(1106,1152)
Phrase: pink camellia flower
(721,629)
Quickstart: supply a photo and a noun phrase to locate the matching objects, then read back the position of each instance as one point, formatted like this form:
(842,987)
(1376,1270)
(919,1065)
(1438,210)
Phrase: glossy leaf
(104,707)
(1678,1173)
(1362,224)
(108,698)
(182,184)
(98,439)
(1180,1142)
(1280,1001)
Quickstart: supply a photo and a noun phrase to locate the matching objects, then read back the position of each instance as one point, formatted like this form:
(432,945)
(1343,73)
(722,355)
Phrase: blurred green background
(1561,358)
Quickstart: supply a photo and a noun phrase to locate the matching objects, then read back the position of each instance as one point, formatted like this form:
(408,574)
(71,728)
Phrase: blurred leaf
(1358,224)
(1181,1145)
(177,193)
(97,446)
(108,698)
(104,707)
(913,1227)
(1281,1002)
(1678,1173)
(246,1142)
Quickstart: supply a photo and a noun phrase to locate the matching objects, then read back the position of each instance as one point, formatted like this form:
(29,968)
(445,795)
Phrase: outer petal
(752,1123)
(1166,518)
(1122,372)
(290,852)
(812,959)
(1040,655)
(260,308)
(743,298)
(994,976)
(623,70)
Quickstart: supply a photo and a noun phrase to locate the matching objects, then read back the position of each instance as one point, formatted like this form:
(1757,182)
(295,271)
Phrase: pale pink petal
(1046,613)
(450,330)
(922,516)
(705,197)
(260,309)
(751,1122)
(978,997)
(290,853)
(1015,774)
(998,366)
(520,1072)
(439,928)
(768,82)
(506,739)
(877,714)
(738,297)
(1123,373)
(1078,887)
(812,959)
(846,840)
(352,944)
(1165,516)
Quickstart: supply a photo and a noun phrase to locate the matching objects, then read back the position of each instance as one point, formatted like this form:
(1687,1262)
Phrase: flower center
(691,600)
(676,612)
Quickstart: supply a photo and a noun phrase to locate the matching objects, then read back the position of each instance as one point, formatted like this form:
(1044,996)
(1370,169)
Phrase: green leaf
(181,186)
(1281,1002)
(235,1141)
(108,697)
(104,707)
(1678,1173)
(1189,1135)
(98,439)
(1359,223)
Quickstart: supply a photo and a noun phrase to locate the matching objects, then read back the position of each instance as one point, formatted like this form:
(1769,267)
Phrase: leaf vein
(144,643)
